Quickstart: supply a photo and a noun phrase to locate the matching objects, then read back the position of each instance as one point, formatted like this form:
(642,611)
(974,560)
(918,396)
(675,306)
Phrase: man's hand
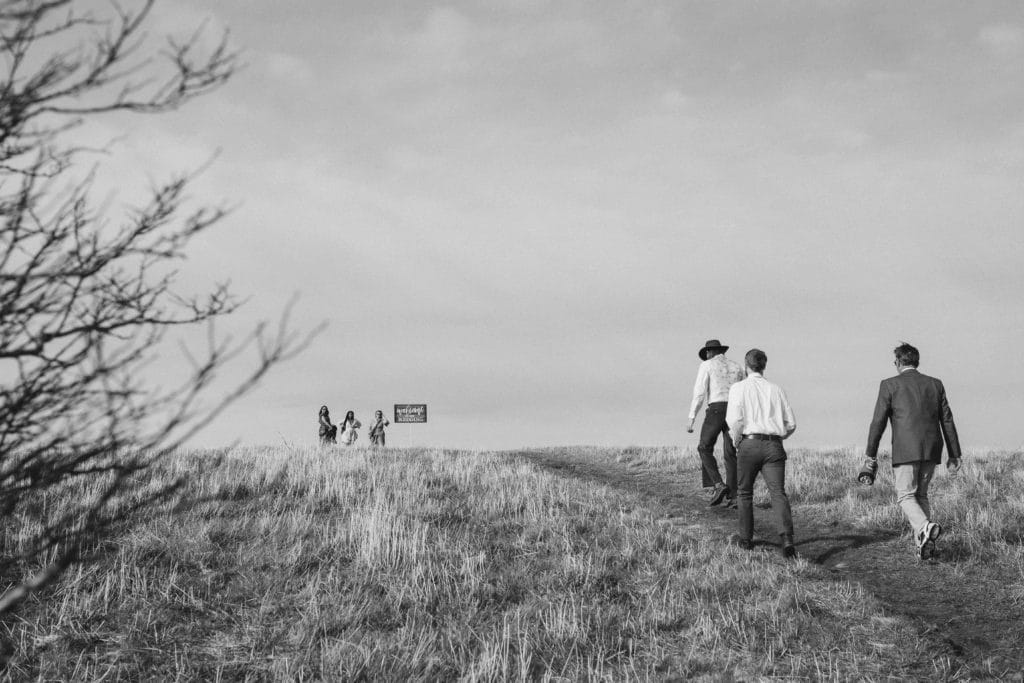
(953,465)
(689,428)
(868,471)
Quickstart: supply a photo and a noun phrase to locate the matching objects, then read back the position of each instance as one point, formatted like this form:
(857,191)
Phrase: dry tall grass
(983,503)
(304,564)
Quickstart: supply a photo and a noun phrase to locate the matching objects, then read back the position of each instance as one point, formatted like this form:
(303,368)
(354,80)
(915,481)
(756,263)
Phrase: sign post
(410,413)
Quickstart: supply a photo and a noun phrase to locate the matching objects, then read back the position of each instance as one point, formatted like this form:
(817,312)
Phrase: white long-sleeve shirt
(756,406)
(714,377)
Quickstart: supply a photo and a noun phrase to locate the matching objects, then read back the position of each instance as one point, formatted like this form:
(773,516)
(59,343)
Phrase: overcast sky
(530,215)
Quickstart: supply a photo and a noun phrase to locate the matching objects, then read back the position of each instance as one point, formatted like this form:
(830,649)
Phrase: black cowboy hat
(711,345)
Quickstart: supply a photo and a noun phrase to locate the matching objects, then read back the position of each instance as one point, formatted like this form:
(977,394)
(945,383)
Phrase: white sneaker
(926,539)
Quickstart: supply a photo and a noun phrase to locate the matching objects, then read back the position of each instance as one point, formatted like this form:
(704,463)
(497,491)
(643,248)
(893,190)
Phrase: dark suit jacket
(921,419)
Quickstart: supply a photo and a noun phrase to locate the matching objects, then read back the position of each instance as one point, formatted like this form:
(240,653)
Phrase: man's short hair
(756,360)
(907,355)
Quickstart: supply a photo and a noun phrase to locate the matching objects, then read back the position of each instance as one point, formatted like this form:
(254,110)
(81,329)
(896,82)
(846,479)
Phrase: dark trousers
(714,424)
(768,458)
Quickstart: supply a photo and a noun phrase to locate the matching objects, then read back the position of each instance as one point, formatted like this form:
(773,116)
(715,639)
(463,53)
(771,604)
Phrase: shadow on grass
(837,544)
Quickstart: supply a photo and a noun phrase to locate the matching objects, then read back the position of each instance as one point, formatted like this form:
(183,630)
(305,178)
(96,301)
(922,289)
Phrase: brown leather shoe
(720,492)
(788,548)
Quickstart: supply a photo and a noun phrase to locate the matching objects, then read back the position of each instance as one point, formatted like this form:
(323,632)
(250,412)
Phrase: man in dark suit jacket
(921,421)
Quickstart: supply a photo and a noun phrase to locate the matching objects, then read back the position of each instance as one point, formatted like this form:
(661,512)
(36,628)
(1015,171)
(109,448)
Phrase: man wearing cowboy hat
(715,376)
(921,420)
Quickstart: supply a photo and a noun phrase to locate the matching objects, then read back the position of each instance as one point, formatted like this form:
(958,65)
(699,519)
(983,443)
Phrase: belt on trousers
(763,437)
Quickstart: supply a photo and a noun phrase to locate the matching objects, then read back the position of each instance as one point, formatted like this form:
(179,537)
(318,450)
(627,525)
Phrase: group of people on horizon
(329,432)
(754,417)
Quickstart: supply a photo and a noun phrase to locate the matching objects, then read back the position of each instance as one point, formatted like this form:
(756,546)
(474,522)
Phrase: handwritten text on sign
(410,412)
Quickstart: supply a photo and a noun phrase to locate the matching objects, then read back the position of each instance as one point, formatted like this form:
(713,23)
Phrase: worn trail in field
(966,610)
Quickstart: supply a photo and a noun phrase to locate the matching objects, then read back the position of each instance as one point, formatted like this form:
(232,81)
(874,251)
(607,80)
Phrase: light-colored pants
(911,481)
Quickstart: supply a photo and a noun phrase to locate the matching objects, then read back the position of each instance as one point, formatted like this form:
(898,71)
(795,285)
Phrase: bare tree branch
(85,298)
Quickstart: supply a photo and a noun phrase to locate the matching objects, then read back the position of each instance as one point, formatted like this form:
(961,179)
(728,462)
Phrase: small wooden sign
(410,412)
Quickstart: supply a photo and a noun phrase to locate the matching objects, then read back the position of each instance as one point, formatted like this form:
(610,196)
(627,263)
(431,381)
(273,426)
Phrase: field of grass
(411,564)
(983,503)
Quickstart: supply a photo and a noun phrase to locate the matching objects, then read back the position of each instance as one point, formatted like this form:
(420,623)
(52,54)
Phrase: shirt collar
(907,369)
(751,373)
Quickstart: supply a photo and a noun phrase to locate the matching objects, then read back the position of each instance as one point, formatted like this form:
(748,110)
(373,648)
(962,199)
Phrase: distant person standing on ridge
(714,377)
(921,420)
(759,418)
(348,429)
(377,429)
(328,431)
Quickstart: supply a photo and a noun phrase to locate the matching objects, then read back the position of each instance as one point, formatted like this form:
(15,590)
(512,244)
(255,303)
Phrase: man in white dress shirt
(760,417)
(714,377)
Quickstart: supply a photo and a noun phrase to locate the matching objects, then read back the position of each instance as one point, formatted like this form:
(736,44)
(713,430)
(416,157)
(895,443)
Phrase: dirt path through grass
(966,609)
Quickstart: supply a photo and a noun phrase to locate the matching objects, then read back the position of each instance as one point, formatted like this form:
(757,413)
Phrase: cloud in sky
(290,70)
(531,215)
(1003,40)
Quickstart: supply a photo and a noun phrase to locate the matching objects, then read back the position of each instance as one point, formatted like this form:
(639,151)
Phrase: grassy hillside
(301,564)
